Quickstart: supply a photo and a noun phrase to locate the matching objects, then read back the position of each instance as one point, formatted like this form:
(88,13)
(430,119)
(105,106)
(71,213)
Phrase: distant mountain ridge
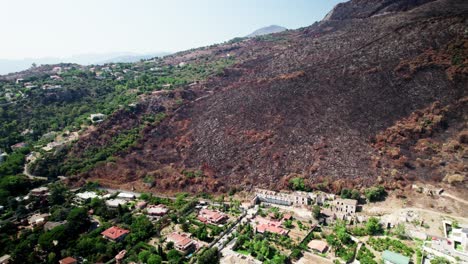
(266,30)
(9,66)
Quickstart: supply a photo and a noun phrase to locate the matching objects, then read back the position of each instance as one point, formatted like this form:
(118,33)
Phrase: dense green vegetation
(12,183)
(298,184)
(365,256)
(257,246)
(381,244)
(375,194)
(42,104)
(350,194)
(341,242)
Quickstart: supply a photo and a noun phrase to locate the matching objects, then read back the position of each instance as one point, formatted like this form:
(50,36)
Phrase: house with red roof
(68,260)
(271,229)
(182,242)
(115,233)
(272,226)
(212,217)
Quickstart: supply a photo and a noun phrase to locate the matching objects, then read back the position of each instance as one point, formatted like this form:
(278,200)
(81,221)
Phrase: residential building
(212,217)
(18,146)
(83,196)
(157,210)
(318,246)
(267,225)
(182,242)
(38,220)
(347,206)
(460,239)
(390,257)
(126,196)
(282,198)
(262,228)
(115,233)
(114,203)
(68,260)
(40,191)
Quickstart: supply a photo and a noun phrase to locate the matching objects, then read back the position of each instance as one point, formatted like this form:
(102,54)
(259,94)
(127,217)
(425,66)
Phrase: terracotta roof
(180,241)
(318,245)
(114,232)
(272,229)
(213,216)
(67,260)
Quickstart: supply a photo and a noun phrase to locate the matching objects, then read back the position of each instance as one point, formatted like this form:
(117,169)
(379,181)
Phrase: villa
(115,233)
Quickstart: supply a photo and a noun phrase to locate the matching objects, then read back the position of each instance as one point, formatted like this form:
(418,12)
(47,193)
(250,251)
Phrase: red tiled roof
(210,215)
(272,229)
(67,260)
(114,232)
(180,241)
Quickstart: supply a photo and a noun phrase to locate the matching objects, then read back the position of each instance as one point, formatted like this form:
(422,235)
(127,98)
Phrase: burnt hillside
(343,102)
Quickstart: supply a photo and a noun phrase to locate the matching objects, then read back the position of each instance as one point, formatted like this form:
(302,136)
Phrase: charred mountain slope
(318,102)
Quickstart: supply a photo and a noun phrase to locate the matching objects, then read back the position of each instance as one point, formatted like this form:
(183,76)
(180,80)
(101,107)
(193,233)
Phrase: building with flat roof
(318,246)
(390,257)
(157,210)
(282,198)
(40,191)
(116,202)
(347,206)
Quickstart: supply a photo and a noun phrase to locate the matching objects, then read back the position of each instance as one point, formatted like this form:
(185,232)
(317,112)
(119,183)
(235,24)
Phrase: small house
(318,246)
(182,242)
(212,217)
(68,260)
(157,210)
(115,233)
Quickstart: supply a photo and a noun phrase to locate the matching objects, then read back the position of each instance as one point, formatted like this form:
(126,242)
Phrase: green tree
(143,256)
(316,212)
(440,260)
(345,193)
(154,259)
(209,256)
(375,194)
(173,256)
(77,221)
(400,231)
(58,194)
(297,184)
(373,227)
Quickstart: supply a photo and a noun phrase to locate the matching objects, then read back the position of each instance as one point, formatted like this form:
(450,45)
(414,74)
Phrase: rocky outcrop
(360,9)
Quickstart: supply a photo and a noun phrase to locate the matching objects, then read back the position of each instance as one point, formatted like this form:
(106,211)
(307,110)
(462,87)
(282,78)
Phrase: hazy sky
(60,28)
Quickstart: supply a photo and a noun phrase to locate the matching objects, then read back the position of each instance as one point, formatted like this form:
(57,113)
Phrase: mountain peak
(266,30)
